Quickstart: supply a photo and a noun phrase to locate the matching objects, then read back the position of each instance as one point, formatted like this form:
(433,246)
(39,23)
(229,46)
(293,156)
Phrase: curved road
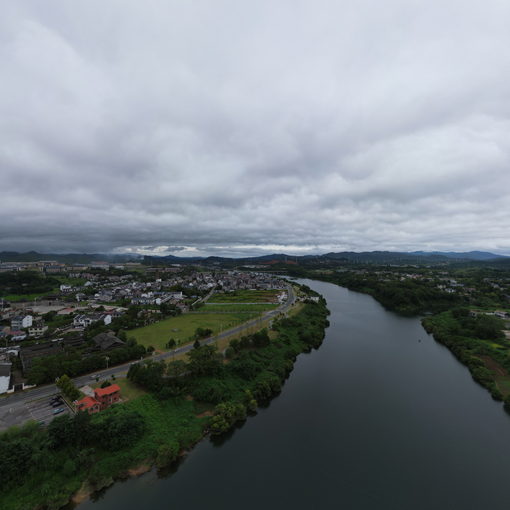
(17,400)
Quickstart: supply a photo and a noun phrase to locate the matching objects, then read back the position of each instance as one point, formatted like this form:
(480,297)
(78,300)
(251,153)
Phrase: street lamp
(107,360)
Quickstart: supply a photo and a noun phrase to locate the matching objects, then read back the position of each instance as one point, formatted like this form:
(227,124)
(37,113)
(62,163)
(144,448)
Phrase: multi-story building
(21,322)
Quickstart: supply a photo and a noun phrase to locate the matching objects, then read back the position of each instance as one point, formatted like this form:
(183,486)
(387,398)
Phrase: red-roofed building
(107,396)
(88,404)
(102,399)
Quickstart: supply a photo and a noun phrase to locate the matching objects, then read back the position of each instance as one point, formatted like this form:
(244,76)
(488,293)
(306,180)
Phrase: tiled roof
(101,392)
(86,402)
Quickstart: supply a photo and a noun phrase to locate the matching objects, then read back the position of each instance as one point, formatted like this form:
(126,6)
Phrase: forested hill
(335,258)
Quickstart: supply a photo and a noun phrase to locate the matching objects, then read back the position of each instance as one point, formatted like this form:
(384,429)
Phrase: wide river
(380,417)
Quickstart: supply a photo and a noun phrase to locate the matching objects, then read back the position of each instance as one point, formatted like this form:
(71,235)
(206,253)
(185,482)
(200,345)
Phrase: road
(17,400)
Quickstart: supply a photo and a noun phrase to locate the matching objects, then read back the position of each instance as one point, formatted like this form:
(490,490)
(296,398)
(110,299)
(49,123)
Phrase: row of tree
(73,363)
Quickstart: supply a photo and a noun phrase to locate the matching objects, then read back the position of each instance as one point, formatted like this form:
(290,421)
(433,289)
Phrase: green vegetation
(68,388)
(128,390)
(183,328)
(246,296)
(73,363)
(25,284)
(256,369)
(43,467)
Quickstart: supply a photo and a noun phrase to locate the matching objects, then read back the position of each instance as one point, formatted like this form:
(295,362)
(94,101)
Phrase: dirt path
(494,366)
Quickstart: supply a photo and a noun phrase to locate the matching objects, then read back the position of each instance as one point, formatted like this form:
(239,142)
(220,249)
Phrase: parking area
(42,410)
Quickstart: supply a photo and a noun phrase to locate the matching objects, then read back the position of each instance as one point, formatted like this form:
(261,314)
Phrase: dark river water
(380,417)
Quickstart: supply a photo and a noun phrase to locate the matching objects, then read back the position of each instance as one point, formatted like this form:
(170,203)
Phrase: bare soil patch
(494,366)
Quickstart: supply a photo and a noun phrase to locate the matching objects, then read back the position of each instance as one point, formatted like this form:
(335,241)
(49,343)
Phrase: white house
(5,377)
(21,322)
(83,321)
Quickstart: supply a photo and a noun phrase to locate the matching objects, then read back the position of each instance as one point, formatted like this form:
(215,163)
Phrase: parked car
(58,411)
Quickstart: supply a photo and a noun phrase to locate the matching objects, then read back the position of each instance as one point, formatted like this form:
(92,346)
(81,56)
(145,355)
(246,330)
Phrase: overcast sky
(235,127)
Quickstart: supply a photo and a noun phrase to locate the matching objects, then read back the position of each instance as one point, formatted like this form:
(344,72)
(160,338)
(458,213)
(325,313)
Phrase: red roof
(86,402)
(101,392)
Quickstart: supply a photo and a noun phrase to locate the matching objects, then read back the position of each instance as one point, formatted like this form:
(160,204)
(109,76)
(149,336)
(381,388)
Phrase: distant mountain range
(70,258)
(471,255)
(348,257)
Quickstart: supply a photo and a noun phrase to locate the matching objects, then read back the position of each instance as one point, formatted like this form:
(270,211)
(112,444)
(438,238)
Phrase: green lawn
(233,307)
(28,297)
(246,296)
(182,328)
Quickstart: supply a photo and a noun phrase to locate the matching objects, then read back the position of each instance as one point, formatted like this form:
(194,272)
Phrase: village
(88,318)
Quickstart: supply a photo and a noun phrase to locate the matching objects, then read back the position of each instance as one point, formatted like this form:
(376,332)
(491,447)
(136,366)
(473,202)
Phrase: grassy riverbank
(479,343)
(43,467)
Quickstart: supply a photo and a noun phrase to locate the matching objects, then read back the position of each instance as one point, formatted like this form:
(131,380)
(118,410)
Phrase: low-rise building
(38,328)
(83,321)
(102,399)
(107,341)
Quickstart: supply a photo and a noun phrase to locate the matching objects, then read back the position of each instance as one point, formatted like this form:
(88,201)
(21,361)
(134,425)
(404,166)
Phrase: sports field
(182,328)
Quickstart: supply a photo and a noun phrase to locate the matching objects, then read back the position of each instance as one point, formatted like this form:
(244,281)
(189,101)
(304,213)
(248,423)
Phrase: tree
(226,414)
(117,427)
(68,388)
(176,368)
(203,332)
(204,360)
(167,453)
(171,343)
(261,338)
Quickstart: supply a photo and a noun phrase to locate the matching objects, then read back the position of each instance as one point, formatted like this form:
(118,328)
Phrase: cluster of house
(23,326)
(237,280)
(500,314)
(28,325)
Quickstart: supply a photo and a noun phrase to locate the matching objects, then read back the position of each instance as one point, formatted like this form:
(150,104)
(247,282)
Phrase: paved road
(17,400)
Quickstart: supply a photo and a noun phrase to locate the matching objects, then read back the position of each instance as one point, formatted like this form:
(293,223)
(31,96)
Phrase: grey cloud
(230,128)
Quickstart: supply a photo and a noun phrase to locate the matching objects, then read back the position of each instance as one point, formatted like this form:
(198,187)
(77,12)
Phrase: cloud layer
(231,127)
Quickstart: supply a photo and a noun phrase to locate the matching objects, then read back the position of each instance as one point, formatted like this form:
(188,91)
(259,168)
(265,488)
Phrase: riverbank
(478,343)
(52,471)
